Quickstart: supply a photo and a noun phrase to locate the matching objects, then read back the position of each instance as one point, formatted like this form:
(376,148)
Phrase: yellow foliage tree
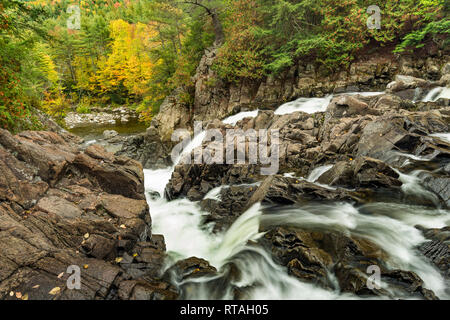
(128,68)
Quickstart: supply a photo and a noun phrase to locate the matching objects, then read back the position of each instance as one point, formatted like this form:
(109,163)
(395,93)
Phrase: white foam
(436,94)
(240,116)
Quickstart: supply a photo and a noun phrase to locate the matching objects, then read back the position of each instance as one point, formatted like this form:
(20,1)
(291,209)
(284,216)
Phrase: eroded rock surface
(62,206)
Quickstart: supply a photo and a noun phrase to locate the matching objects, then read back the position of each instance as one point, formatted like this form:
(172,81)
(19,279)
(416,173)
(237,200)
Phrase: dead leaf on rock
(55,291)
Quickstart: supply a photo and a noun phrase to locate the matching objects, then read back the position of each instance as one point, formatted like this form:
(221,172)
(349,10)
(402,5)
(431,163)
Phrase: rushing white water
(194,143)
(442,136)
(437,93)
(313,105)
(308,105)
(389,225)
(411,185)
(317,172)
(384,224)
(239,116)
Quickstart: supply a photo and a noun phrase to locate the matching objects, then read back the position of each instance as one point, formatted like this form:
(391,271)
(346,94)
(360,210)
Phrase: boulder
(108,134)
(438,248)
(408,87)
(313,256)
(281,190)
(148,149)
(361,172)
(228,207)
(63,208)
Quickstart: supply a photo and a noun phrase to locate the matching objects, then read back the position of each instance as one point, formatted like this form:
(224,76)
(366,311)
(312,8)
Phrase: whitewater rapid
(389,225)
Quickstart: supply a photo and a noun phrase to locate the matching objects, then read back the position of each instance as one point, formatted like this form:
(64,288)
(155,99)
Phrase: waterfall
(239,116)
(437,93)
(391,226)
(313,105)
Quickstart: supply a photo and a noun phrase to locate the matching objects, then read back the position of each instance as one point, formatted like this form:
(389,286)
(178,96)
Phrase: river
(389,225)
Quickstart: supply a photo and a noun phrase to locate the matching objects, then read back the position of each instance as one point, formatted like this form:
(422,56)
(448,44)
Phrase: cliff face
(63,206)
(216,99)
(370,73)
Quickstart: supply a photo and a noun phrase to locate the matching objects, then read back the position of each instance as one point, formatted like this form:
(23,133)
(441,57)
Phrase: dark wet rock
(347,106)
(361,172)
(146,290)
(148,149)
(196,180)
(314,255)
(147,258)
(438,249)
(281,190)
(190,268)
(230,205)
(399,134)
(122,176)
(439,184)
(192,274)
(63,206)
(154,195)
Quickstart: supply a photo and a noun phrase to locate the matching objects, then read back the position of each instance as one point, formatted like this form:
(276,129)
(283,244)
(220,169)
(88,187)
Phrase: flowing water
(389,225)
(239,116)
(437,93)
(313,105)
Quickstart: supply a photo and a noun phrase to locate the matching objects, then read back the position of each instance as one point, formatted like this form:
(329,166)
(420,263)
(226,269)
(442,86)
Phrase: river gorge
(357,210)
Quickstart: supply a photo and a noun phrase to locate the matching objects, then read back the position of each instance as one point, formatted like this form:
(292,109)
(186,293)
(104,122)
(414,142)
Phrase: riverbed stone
(56,212)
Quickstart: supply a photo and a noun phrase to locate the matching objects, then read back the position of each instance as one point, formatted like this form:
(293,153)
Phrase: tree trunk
(218,30)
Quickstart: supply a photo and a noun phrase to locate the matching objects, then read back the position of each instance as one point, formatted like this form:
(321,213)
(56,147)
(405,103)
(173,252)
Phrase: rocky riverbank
(61,206)
(100,116)
(369,149)
(355,171)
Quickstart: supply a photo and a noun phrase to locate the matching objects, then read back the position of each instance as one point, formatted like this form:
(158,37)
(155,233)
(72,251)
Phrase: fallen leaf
(11,293)
(36,286)
(135,255)
(25,296)
(18,295)
(118,260)
(86,266)
(60,275)
(55,291)
(86,236)
(123,226)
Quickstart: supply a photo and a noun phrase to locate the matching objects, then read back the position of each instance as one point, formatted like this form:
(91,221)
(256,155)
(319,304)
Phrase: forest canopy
(62,55)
